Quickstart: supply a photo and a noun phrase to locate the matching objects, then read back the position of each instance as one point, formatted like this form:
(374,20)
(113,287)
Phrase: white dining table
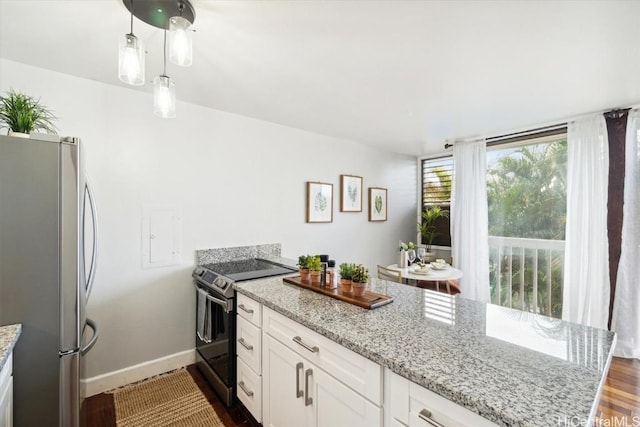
(448,273)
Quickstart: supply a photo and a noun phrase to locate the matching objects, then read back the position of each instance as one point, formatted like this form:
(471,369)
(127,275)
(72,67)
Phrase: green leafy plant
(314,263)
(22,113)
(346,270)
(427,227)
(303,261)
(360,274)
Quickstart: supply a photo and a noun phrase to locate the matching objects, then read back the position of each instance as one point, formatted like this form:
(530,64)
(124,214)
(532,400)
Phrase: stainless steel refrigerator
(48,252)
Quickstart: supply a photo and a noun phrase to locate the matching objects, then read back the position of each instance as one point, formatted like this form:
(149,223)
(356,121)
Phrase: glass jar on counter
(331,281)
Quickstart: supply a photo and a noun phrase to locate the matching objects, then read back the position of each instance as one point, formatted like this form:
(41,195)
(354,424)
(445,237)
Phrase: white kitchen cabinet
(298,393)
(283,382)
(6,393)
(250,310)
(410,404)
(309,380)
(249,355)
(352,369)
(249,389)
(336,405)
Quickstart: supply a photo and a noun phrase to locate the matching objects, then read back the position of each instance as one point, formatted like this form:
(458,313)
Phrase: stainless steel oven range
(216,320)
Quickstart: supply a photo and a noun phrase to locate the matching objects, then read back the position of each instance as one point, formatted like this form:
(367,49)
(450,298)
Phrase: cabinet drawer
(249,344)
(249,309)
(352,369)
(424,403)
(250,390)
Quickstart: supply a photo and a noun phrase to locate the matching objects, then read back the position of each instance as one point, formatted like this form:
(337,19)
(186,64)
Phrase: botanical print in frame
(350,193)
(377,204)
(319,202)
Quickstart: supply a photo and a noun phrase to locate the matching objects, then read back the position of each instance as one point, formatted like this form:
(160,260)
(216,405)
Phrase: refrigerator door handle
(94,327)
(94,249)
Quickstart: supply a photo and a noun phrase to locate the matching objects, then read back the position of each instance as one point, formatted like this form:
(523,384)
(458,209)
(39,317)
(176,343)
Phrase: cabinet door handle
(245,309)
(307,399)
(299,341)
(299,393)
(245,389)
(245,345)
(425,415)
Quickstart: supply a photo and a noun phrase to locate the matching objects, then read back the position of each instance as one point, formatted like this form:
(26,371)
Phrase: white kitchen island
(510,367)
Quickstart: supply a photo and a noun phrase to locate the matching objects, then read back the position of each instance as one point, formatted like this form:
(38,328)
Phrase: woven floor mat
(172,399)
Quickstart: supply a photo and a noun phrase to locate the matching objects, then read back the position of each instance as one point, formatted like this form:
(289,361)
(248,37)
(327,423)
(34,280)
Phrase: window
(437,177)
(526,196)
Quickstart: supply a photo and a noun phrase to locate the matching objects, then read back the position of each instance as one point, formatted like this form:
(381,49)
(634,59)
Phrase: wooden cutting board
(369,300)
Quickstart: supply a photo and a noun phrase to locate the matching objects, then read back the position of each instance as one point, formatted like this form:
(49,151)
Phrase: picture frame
(319,202)
(350,193)
(377,204)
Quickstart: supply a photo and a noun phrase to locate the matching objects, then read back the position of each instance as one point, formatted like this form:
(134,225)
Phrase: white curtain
(469,225)
(626,319)
(586,292)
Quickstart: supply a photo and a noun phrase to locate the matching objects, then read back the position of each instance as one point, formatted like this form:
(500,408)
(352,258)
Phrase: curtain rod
(493,140)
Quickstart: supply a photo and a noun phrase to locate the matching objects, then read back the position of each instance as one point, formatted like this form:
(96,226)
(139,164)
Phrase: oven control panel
(211,279)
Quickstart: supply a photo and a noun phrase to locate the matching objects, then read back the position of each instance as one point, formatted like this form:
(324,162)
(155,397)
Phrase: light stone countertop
(8,337)
(511,367)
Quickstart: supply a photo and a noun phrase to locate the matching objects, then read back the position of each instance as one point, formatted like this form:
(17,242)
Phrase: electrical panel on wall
(161,237)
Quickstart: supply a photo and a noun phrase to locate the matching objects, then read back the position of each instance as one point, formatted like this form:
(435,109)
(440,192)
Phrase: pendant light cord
(164,51)
(131,16)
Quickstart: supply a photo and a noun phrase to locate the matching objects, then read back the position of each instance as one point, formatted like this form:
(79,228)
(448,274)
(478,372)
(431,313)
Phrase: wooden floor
(620,400)
(619,405)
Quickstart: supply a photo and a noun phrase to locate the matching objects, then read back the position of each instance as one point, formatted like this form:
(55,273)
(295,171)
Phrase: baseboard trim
(110,380)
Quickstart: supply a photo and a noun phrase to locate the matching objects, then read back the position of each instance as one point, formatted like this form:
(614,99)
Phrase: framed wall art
(319,202)
(350,193)
(377,204)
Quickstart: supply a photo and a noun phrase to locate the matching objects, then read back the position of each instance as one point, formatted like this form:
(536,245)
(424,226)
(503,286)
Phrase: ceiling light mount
(159,12)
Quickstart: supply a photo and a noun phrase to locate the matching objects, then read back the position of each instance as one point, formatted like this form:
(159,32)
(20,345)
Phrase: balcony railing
(526,274)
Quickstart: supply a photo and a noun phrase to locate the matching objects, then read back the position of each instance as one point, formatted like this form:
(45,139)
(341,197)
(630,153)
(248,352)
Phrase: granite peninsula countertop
(512,367)
(8,336)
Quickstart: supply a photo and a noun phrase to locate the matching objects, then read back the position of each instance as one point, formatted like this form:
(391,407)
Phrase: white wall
(237,181)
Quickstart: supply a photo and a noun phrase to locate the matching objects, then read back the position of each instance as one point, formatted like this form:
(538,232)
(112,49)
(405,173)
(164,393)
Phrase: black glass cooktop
(248,269)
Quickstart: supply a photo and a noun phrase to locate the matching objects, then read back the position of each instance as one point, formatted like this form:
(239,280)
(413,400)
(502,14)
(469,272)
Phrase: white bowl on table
(424,269)
(439,264)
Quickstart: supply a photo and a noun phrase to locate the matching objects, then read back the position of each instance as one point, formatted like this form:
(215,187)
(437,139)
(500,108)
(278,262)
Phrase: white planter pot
(18,134)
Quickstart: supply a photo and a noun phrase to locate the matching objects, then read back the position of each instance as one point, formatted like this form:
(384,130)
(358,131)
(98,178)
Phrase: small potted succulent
(303,266)
(345,276)
(315,265)
(23,114)
(359,280)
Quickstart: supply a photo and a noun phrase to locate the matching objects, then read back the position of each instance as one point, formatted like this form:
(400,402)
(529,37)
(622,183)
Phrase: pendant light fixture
(176,16)
(180,40)
(131,57)
(164,90)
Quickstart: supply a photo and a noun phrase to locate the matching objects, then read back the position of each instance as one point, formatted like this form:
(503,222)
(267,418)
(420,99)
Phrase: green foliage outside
(526,194)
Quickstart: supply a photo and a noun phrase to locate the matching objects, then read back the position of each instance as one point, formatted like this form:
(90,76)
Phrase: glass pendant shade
(180,42)
(131,60)
(164,97)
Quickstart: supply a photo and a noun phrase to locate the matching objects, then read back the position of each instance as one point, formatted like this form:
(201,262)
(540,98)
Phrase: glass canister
(331,279)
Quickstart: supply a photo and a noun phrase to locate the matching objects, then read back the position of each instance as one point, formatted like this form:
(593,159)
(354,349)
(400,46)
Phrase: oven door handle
(220,302)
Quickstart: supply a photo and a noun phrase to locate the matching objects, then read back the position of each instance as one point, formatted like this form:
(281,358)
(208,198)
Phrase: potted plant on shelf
(23,114)
(428,229)
(303,266)
(359,280)
(315,266)
(345,276)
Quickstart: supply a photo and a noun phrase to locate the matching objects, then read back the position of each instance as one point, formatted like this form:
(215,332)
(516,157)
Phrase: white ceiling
(402,75)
